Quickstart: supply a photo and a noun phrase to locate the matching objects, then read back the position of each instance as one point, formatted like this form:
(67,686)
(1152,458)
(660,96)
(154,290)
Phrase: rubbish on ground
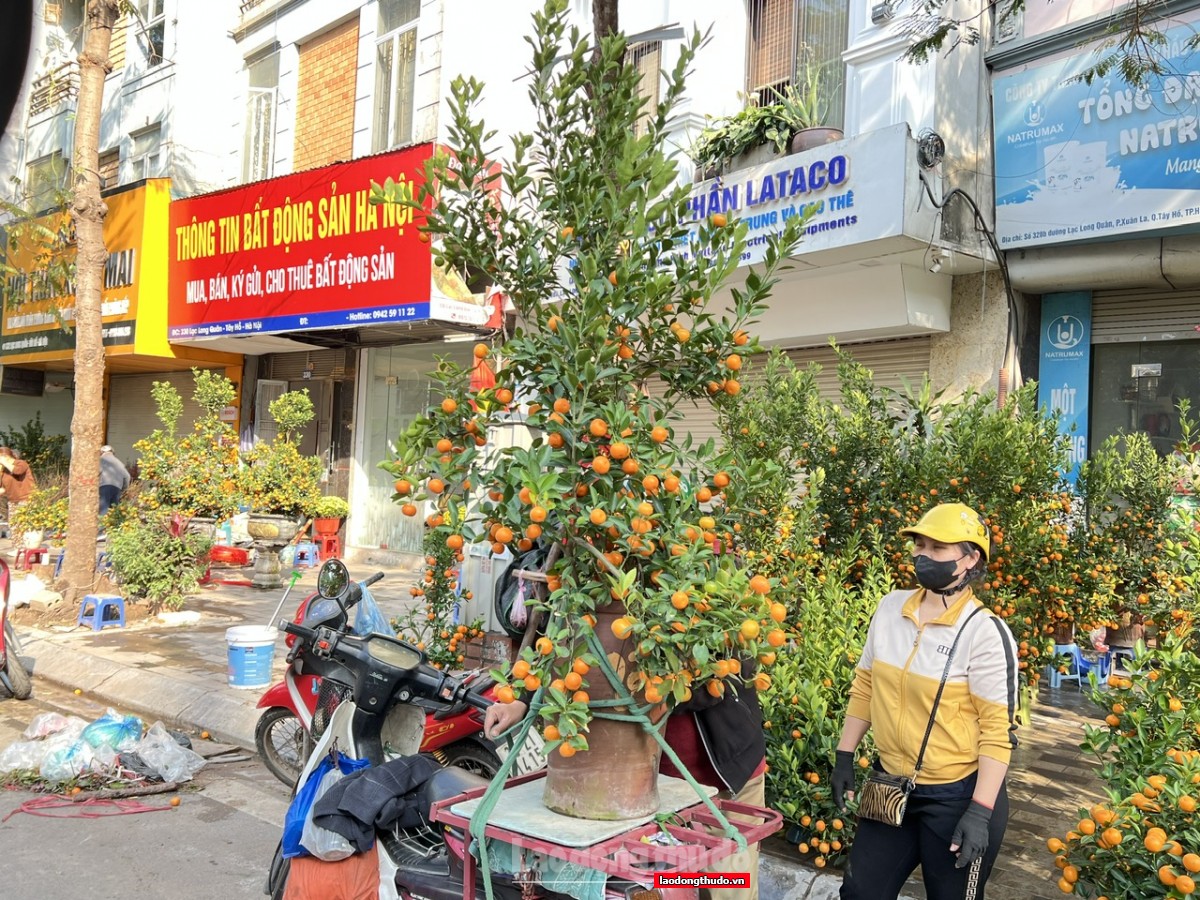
(44,725)
(165,757)
(90,808)
(112,748)
(118,731)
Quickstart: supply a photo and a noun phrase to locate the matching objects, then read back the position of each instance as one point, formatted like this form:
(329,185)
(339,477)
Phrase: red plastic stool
(28,558)
(331,546)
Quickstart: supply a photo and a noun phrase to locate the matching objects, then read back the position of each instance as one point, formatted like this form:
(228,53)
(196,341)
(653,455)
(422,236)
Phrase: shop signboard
(300,252)
(39,311)
(1065,368)
(853,191)
(1078,161)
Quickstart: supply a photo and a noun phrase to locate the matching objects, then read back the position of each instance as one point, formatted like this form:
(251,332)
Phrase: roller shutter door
(1140,315)
(891,362)
(131,409)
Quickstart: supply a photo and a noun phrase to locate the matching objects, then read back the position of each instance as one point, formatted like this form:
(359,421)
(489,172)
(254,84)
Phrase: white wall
(54,407)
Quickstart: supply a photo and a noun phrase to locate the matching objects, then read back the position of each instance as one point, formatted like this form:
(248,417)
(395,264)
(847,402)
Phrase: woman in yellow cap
(937,687)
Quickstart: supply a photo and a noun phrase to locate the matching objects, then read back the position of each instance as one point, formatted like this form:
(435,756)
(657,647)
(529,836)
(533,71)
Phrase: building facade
(169,58)
(280,271)
(1098,202)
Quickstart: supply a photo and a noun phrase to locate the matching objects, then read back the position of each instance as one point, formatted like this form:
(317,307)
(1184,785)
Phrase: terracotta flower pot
(808,138)
(327,526)
(617,777)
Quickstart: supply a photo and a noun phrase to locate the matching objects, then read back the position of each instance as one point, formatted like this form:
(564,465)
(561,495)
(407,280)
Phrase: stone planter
(268,528)
(204,526)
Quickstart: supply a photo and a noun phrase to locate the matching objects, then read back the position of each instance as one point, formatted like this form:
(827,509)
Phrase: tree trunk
(604,20)
(89,210)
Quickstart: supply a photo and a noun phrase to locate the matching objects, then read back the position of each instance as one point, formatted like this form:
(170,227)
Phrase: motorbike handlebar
(298,630)
(378,576)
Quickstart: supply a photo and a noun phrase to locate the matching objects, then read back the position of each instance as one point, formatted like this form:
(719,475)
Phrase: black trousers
(883,856)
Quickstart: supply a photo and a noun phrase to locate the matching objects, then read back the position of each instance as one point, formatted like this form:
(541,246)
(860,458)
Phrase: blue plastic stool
(307,555)
(100,605)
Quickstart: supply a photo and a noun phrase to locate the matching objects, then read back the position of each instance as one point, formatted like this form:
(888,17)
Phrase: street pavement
(179,674)
(217,843)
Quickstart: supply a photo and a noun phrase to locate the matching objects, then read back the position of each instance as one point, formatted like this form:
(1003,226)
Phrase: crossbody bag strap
(941,687)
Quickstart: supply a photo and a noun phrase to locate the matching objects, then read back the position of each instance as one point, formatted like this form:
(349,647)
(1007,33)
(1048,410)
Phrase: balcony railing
(59,84)
(248,5)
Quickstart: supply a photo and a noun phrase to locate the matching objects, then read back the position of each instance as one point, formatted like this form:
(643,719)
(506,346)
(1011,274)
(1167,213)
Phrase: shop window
(145,160)
(154,30)
(789,38)
(45,180)
(395,73)
(646,58)
(1136,387)
(263,85)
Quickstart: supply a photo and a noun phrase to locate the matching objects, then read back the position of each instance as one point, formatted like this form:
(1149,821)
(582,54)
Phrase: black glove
(971,834)
(842,780)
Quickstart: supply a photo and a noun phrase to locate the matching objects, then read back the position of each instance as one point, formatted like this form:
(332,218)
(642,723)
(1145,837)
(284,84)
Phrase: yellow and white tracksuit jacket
(898,676)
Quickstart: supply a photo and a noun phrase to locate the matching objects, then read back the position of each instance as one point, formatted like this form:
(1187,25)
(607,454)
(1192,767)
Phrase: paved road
(217,843)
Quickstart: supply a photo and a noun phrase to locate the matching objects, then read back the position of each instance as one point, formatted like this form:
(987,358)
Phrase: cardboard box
(491,650)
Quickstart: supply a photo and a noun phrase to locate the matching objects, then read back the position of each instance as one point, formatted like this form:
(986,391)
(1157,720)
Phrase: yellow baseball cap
(951,523)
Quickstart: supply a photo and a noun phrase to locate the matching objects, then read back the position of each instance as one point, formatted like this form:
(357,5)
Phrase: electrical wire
(1014,322)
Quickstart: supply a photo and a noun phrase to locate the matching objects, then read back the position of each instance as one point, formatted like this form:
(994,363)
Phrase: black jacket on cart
(731,729)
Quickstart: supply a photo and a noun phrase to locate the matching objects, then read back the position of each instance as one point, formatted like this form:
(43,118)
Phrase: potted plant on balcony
(328,513)
(808,108)
(795,121)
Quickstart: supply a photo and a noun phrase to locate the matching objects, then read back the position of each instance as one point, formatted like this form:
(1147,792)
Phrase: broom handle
(275,615)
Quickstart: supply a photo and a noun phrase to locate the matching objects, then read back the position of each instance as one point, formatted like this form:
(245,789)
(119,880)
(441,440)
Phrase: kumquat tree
(848,475)
(617,289)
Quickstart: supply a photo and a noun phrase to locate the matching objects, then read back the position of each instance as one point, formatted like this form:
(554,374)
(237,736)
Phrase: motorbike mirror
(332,579)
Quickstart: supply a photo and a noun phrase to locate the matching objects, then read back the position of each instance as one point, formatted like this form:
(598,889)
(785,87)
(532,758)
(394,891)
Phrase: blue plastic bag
(369,618)
(118,731)
(293,823)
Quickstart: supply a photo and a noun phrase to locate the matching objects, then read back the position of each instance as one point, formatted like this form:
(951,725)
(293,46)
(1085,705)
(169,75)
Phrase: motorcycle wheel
(283,743)
(471,756)
(18,680)
(277,875)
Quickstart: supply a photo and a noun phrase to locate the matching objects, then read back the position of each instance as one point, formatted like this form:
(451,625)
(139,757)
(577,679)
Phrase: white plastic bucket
(251,653)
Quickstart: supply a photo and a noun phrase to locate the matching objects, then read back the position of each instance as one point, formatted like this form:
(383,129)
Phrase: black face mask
(934,575)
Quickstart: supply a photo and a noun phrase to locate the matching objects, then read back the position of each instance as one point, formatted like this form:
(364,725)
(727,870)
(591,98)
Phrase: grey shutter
(131,412)
(1141,315)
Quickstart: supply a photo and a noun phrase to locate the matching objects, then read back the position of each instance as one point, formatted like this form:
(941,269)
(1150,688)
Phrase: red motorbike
(12,672)
(299,707)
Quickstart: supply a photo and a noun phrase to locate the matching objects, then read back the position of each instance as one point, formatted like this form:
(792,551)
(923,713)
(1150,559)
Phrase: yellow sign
(38,318)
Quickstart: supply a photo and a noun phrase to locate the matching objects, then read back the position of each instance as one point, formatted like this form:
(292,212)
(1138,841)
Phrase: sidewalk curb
(178,702)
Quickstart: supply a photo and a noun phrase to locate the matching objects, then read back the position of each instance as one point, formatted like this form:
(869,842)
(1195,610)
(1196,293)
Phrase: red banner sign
(299,252)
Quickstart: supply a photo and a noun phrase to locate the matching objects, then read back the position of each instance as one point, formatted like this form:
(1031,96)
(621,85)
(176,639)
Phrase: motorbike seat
(444,784)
